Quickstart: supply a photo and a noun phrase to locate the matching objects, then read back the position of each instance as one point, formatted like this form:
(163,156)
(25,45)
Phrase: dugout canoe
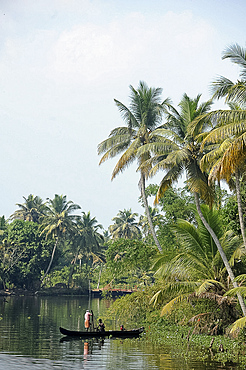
(134,333)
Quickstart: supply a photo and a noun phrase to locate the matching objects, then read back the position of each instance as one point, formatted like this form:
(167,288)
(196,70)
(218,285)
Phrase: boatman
(101,326)
(87,319)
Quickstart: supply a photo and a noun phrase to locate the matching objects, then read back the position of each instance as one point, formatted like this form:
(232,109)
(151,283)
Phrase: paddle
(92,319)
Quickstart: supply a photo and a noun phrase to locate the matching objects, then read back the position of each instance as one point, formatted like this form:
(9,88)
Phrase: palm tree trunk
(240,210)
(72,269)
(142,185)
(51,260)
(100,272)
(221,252)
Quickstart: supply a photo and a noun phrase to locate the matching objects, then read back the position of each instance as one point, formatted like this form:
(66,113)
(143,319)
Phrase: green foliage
(210,314)
(125,225)
(24,254)
(127,257)
(58,277)
(132,310)
(175,203)
(230,211)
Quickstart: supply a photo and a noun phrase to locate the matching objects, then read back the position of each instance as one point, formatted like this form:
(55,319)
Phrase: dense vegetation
(186,256)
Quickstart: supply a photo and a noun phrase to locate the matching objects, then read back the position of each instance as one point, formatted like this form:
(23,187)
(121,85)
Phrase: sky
(62,64)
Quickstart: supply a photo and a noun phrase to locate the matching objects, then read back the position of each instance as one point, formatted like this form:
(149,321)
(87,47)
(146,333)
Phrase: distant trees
(125,225)
(24,253)
(28,244)
(31,210)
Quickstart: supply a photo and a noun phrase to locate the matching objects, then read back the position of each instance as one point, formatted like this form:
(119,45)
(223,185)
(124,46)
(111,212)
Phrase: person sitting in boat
(101,326)
(122,328)
(88,314)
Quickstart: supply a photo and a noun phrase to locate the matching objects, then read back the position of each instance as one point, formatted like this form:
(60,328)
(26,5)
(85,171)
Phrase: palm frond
(237,55)
(207,284)
(170,305)
(127,115)
(127,158)
(238,324)
(239,290)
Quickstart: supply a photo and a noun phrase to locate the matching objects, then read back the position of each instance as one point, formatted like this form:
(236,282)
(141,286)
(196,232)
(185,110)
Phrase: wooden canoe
(99,334)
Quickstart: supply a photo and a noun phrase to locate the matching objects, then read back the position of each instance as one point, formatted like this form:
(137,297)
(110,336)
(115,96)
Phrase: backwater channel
(30,339)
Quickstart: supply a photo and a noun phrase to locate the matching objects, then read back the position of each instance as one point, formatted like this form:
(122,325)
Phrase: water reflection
(30,338)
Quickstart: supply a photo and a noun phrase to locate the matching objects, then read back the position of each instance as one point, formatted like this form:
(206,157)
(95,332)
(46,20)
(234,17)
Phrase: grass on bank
(178,331)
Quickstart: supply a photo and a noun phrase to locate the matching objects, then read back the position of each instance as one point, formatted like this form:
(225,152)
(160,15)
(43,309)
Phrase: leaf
(239,324)
(169,306)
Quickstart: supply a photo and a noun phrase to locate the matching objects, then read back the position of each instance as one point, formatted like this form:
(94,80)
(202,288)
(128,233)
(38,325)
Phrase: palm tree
(181,151)
(58,222)
(125,226)
(87,241)
(31,210)
(226,161)
(142,118)
(223,87)
(156,217)
(197,266)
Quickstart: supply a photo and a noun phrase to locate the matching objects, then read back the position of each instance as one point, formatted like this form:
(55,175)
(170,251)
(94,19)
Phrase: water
(30,339)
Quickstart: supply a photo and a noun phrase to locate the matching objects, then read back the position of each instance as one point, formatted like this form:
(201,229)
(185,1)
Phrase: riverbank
(186,338)
(54,291)
(182,342)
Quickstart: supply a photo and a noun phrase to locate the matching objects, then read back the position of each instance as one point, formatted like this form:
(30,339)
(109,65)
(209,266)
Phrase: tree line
(191,242)
(208,146)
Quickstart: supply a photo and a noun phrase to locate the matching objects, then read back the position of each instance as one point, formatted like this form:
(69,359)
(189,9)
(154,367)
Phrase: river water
(30,339)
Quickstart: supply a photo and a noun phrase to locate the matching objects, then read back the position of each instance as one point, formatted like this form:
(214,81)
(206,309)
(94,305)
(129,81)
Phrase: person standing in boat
(100,326)
(87,319)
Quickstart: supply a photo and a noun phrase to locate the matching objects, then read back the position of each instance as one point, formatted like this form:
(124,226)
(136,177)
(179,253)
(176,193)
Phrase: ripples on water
(30,340)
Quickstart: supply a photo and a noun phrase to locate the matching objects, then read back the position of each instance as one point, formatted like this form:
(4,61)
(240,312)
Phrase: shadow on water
(30,338)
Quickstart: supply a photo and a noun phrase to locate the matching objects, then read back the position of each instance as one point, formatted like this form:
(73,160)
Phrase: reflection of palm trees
(125,225)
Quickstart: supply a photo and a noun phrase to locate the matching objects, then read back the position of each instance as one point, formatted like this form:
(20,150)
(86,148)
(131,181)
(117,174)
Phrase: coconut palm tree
(227,157)
(179,152)
(58,222)
(125,225)
(86,241)
(224,87)
(142,117)
(197,265)
(89,239)
(226,161)
(31,210)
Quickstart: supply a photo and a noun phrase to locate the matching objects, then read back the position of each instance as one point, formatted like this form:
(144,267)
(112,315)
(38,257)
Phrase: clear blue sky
(63,62)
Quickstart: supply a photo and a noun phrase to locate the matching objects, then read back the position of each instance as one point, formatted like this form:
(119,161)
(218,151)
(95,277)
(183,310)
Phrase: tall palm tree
(142,117)
(181,151)
(58,222)
(125,225)
(31,210)
(226,161)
